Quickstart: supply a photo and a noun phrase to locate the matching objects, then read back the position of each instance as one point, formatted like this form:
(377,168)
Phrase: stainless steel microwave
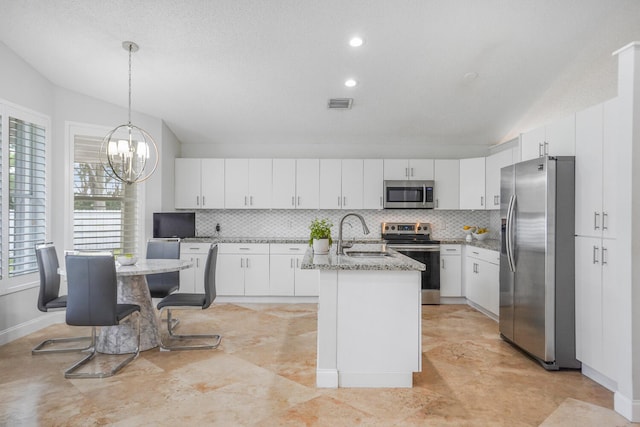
(408,194)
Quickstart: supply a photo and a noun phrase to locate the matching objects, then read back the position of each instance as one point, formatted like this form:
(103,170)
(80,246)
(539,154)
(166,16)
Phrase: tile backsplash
(295,223)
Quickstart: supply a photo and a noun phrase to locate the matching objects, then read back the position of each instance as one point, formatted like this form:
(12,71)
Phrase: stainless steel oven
(414,240)
(408,194)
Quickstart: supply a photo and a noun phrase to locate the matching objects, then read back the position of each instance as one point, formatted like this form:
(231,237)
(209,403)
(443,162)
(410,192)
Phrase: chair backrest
(210,276)
(47,259)
(163,249)
(92,290)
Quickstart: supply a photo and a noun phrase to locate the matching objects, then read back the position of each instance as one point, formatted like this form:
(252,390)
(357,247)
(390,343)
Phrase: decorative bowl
(470,230)
(481,236)
(126,260)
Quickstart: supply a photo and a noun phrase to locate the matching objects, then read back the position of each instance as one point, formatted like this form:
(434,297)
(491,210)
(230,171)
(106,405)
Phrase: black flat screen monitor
(174,224)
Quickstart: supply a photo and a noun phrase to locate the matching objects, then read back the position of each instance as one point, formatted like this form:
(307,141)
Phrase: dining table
(133,289)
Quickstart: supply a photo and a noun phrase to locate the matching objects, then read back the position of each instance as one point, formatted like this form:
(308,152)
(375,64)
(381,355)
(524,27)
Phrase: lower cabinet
(482,278)
(192,279)
(242,269)
(285,276)
(450,270)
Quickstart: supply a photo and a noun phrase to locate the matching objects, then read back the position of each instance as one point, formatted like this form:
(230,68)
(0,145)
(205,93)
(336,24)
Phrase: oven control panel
(410,228)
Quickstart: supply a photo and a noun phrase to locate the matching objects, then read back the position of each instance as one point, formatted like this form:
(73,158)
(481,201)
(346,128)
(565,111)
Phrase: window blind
(105,213)
(27,194)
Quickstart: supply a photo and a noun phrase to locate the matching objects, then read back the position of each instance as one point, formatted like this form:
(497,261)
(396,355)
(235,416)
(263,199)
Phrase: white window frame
(25,281)
(73,130)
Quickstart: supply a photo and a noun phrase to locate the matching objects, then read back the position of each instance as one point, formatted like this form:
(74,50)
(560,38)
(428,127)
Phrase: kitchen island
(369,318)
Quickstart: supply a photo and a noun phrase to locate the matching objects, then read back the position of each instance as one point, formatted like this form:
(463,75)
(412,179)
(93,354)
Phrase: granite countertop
(332,261)
(491,244)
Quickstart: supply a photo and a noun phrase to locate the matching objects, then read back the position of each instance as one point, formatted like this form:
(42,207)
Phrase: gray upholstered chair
(163,284)
(192,301)
(49,299)
(93,301)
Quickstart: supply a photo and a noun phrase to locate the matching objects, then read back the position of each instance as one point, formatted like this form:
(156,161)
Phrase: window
(105,210)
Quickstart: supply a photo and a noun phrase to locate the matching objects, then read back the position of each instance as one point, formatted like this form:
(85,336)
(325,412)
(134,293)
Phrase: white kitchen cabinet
(199,183)
(283,194)
(285,276)
(554,139)
(242,269)
(341,183)
(472,176)
(352,183)
(597,302)
(493,164)
(307,183)
(447,184)
(596,170)
(450,271)
(482,278)
(411,169)
(373,183)
(192,279)
(248,183)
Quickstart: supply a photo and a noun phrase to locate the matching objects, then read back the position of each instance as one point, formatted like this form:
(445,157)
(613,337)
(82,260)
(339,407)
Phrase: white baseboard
(267,299)
(630,409)
(28,327)
(376,380)
(327,378)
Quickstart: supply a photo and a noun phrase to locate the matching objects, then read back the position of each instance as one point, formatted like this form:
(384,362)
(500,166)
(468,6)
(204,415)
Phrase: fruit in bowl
(468,229)
(127,259)
(481,233)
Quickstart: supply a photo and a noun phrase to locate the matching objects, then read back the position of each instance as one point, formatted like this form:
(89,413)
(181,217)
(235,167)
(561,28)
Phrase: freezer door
(506,274)
(533,246)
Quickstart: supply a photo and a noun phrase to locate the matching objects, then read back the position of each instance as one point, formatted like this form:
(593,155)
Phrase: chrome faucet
(341,245)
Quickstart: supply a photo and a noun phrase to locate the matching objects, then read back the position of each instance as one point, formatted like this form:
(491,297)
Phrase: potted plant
(320,237)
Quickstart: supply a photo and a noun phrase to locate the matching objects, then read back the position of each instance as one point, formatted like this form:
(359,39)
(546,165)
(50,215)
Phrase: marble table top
(147,266)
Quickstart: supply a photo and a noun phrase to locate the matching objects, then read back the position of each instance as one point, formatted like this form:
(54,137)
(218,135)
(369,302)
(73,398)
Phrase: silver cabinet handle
(546,148)
(442,259)
(248,263)
(245,249)
(450,250)
(344,201)
(241,262)
(604,222)
(596,215)
(293,200)
(297,263)
(298,200)
(406,172)
(245,200)
(595,254)
(437,202)
(604,258)
(481,200)
(411,171)
(339,201)
(197,200)
(540,149)
(250,200)
(203,202)
(291,263)
(380,201)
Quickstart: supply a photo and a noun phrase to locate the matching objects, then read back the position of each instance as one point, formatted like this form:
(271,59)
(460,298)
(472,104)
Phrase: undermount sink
(368,254)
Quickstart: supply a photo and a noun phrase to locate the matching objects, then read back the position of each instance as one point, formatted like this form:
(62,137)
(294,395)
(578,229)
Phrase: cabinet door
(200,262)
(212,183)
(259,183)
(282,272)
(451,276)
(472,183)
(307,183)
(447,184)
(612,183)
(532,144)
(612,300)
(373,176)
(283,193)
(589,302)
(421,169)
(494,163)
(560,137)
(396,169)
(490,277)
(306,280)
(471,280)
(330,184)
(256,275)
(230,274)
(236,183)
(588,172)
(187,184)
(352,183)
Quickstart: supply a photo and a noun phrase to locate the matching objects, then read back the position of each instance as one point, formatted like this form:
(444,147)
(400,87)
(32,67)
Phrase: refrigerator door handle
(509,236)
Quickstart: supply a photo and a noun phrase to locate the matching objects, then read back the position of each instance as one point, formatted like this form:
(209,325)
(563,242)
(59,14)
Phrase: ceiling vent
(340,103)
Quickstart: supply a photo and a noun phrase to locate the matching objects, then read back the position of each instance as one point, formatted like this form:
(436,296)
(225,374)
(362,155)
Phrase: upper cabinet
(199,184)
(555,139)
(307,183)
(283,195)
(472,178)
(247,183)
(447,184)
(493,164)
(402,169)
(372,186)
(341,183)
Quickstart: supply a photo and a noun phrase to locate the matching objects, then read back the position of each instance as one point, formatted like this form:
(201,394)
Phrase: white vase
(321,246)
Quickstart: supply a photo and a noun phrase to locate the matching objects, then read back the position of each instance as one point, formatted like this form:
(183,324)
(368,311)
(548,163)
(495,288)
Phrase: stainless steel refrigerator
(537,286)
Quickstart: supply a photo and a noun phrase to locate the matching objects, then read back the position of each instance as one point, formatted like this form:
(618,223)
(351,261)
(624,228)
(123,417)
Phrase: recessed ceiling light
(350,83)
(470,76)
(356,42)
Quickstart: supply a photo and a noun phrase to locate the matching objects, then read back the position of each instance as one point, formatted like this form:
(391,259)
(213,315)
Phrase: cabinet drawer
(194,248)
(484,254)
(288,248)
(450,250)
(243,248)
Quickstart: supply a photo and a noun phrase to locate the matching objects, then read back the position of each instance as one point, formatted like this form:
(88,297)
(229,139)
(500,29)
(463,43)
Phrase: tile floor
(263,374)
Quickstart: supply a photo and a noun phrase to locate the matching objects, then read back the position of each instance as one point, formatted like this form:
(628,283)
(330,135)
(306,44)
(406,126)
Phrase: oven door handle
(414,248)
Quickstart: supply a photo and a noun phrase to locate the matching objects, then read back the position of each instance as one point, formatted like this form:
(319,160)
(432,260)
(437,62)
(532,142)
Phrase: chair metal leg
(72,374)
(42,347)
(166,345)
(174,322)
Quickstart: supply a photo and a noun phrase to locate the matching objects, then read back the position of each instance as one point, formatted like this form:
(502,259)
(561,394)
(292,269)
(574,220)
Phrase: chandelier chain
(130,49)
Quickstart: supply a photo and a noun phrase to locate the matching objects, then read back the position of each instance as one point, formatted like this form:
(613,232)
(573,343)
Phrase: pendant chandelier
(128,153)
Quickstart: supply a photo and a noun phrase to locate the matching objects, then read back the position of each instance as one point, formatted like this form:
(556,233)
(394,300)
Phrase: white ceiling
(245,71)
